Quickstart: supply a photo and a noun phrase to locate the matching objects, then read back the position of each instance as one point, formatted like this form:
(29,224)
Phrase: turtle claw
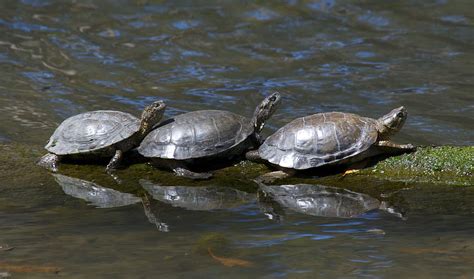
(409,147)
(352,171)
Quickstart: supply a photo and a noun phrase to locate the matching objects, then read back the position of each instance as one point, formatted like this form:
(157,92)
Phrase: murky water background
(60,58)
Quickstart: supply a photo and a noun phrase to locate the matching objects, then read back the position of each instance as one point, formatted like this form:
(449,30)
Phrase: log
(449,165)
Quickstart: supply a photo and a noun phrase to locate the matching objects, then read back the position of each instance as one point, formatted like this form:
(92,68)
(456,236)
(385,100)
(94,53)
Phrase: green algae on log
(443,164)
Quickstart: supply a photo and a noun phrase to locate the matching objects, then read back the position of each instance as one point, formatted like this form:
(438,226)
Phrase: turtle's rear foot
(394,147)
(274,175)
(49,161)
(192,175)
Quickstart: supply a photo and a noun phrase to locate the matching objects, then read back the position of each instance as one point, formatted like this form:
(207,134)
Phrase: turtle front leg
(115,161)
(49,161)
(391,147)
(151,216)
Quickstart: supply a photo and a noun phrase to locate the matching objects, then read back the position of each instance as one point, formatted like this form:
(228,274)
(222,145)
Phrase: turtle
(101,133)
(201,136)
(331,138)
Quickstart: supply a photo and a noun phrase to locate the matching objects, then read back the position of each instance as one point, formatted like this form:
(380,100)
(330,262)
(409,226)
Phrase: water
(60,58)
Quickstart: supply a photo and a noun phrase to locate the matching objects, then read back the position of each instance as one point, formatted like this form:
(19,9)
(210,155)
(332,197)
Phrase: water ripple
(29,27)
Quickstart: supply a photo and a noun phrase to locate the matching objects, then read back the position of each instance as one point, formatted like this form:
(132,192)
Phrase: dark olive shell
(92,131)
(319,139)
(196,134)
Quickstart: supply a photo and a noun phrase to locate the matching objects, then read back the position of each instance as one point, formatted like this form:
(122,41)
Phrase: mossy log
(434,165)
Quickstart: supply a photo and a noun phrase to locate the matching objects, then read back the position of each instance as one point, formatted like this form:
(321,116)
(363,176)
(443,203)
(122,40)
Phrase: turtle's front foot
(49,161)
(115,161)
(192,175)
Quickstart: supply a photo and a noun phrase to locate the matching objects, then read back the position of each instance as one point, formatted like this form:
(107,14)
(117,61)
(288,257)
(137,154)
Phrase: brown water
(60,58)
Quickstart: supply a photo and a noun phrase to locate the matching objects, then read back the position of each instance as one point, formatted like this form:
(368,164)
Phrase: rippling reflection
(319,200)
(198,198)
(102,197)
(94,194)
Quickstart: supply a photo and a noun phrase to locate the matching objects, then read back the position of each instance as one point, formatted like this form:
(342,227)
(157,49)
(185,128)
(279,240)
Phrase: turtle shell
(196,134)
(92,131)
(319,139)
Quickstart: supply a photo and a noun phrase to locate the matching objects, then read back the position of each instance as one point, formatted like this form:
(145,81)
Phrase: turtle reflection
(96,195)
(318,200)
(102,197)
(198,198)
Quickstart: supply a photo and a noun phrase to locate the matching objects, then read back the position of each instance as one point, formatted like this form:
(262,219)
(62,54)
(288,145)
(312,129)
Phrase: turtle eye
(400,114)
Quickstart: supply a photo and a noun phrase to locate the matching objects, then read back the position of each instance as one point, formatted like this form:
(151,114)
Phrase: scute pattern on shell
(319,139)
(92,131)
(196,134)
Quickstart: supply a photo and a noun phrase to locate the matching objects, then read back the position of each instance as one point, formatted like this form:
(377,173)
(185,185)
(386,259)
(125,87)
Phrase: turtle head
(264,110)
(151,116)
(392,122)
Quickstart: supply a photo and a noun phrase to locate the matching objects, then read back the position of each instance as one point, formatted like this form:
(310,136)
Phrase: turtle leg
(49,161)
(180,169)
(391,147)
(184,172)
(115,161)
(275,175)
(253,156)
(151,216)
(271,209)
(356,167)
